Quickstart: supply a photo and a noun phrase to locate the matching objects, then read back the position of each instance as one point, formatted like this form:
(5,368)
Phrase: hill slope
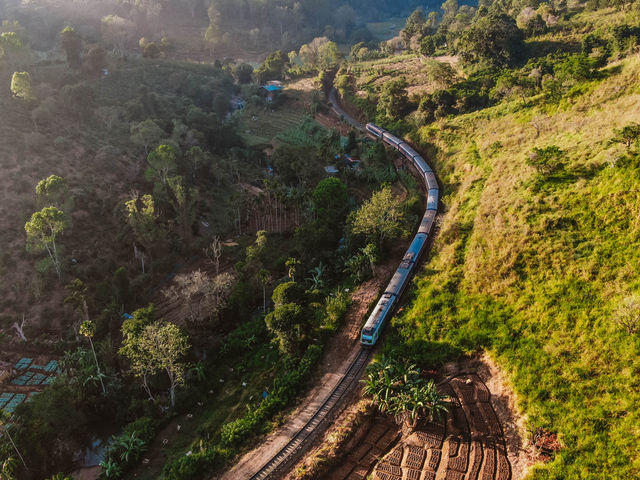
(534,266)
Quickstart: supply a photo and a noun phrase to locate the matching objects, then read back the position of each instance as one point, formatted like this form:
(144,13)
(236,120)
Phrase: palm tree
(130,445)
(399,390)
(94,379)
(88,329)
(436,402)
(316,276)
(198,371)
(265,278)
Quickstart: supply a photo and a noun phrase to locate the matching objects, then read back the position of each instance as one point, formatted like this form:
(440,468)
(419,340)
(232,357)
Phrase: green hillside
(533,268)
(536,262)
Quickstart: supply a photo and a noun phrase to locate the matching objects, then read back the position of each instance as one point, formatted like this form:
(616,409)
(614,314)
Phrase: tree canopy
(380,218)
(21,85)
(43,230)
(154,348)
(494,39)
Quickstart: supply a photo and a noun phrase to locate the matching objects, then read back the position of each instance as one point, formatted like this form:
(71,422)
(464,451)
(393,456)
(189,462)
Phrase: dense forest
(223,28)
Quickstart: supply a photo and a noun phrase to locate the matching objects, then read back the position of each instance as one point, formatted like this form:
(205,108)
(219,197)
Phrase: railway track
(317,423)
(291,452)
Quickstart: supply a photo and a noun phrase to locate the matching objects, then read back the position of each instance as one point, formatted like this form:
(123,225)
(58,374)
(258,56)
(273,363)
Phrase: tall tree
(43,230)
(494,39)
(287,320)
(161,164)
(273,67)
(627,135)
(393,100)
(72,44)
(88,329)
(143,220)
(53,191)
(414,25)
(380,218)
(146,133)
(155,348)
(184,201)
(21,85)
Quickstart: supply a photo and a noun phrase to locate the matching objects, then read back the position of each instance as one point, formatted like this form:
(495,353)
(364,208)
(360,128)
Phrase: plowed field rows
(467,445)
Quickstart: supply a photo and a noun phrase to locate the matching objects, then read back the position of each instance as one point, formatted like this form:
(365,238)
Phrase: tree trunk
(15,447)
(95,357)
(145,385)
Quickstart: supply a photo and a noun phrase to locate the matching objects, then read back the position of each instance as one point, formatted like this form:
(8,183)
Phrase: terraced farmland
(468,445)
(261,126)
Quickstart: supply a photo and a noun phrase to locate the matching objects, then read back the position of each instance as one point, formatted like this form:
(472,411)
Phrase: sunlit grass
(532,268)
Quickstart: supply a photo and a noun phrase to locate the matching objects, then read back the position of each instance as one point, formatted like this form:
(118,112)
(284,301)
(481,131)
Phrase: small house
(271,89)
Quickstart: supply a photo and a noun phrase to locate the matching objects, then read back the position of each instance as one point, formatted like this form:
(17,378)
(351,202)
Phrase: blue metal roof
(272,88)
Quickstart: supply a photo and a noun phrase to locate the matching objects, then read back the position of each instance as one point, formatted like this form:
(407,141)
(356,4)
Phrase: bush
(144,427)
(194,466)
(127,448)
(336,306)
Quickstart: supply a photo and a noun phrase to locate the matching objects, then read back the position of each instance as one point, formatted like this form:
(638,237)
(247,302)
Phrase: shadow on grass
(427,354)
(541,48)
(543,182)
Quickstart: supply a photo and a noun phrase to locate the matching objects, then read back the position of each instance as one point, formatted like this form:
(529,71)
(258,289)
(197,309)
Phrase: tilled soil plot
(468,445)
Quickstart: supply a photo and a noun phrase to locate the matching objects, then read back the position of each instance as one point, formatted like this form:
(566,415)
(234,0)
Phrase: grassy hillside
(532,267)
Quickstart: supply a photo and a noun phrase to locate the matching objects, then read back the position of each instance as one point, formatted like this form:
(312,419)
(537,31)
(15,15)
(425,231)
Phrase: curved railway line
(292,451)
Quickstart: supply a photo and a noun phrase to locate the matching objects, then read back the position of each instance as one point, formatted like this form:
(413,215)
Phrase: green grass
(268,124)
(532,268)
(383,31)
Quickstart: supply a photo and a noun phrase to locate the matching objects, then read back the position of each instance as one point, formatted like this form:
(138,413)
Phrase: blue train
(400,280)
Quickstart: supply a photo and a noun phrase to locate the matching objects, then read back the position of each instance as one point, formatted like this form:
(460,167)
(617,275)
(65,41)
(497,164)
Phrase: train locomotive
(400,280)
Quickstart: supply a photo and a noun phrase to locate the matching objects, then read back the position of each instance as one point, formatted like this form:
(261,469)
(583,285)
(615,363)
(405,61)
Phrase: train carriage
(392,140)
(432,182)
(407,151)
(432,199)
(371,330)
(399,281)
(427,222)
(374,130)
(415,249)
(421,165)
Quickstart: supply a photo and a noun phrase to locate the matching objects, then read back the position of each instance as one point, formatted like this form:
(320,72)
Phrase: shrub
(547,160)
(336,306)
(194,466)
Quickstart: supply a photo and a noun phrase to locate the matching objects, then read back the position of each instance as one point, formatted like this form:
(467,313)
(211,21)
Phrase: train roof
(382,307)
